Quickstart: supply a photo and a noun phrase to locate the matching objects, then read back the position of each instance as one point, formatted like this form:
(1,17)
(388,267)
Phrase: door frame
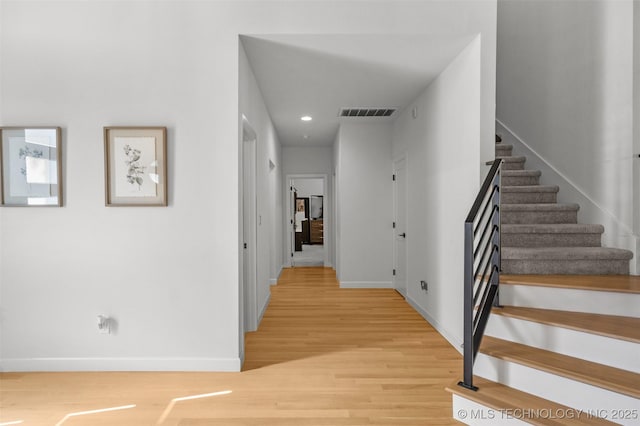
(248,305)
(327,220)
(396,162)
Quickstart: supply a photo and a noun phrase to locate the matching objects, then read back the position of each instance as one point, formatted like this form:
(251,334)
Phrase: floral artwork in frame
(136,166)
(31,166)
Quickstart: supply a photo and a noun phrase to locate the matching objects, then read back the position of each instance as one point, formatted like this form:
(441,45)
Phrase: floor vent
(367,112)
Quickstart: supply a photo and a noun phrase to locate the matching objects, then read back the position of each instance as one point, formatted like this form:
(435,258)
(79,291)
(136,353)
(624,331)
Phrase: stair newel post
(469,281)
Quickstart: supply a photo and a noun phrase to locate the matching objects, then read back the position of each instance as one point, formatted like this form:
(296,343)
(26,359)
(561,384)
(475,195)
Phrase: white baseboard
(119,364)
(274,281)
(264,308)
(366,284)
(616,234)
(450,337)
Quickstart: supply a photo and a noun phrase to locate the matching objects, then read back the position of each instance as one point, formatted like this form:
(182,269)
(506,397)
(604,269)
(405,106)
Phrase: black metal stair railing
(481,267)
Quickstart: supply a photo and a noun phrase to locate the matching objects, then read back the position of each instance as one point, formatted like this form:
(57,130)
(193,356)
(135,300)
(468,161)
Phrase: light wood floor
(322,356)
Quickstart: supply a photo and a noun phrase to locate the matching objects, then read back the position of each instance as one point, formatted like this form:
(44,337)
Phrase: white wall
(636,128)
(169,275)
(442,146)
(565,88)
(268,179)
(365,211)
(307,160)
(160,272)
(1,217)
(308,187)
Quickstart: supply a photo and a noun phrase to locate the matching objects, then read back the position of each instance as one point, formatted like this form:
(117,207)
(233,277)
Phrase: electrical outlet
(424,285)
(104,324)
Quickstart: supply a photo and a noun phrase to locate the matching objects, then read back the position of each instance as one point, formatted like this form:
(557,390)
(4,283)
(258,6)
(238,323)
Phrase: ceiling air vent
(367,112)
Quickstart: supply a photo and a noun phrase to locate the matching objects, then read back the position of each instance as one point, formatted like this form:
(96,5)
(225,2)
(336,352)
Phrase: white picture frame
(31,166)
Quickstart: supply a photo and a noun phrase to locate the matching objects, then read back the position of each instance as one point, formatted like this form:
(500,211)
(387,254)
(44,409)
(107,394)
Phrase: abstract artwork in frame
(135,166)
(31,166)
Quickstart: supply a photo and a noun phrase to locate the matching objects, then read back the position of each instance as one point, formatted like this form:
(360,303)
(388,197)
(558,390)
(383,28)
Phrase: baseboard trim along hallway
(366,284)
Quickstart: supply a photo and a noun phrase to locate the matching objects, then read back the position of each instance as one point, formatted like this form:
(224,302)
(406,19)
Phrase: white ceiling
(316,75)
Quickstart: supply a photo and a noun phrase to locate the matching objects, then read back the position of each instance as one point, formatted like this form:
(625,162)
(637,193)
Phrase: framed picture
(300,205)
(135,166)
(31,166)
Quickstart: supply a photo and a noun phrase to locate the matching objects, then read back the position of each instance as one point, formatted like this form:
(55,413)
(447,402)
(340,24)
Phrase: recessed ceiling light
(306,136)
(306,118)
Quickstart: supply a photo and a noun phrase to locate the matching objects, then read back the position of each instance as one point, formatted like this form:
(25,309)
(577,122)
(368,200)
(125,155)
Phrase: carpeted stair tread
(603,376)
(504,146)
(504,150)
(551,235)
(522,194)
(552,228)
(565,253)
(510,159)
(505,399)
(518,173)
(520,177)
(540,207)
(537,212)
(531,188)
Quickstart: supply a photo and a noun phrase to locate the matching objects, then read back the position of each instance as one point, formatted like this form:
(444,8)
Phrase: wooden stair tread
(613,283)
(614,379)
(617,327)
(503,398)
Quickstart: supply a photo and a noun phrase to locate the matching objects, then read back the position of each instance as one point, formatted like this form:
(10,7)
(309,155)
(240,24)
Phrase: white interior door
(249,261)
(400,226)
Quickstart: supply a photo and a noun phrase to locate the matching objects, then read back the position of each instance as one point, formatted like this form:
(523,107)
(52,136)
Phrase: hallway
(310,255)
(350,356)
(322,356)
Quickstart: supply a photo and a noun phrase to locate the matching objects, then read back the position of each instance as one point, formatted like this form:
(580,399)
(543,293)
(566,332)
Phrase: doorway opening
(308,212)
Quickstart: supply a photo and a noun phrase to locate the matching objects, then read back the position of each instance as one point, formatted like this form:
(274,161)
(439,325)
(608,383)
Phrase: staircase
(564,347)
(542,236)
